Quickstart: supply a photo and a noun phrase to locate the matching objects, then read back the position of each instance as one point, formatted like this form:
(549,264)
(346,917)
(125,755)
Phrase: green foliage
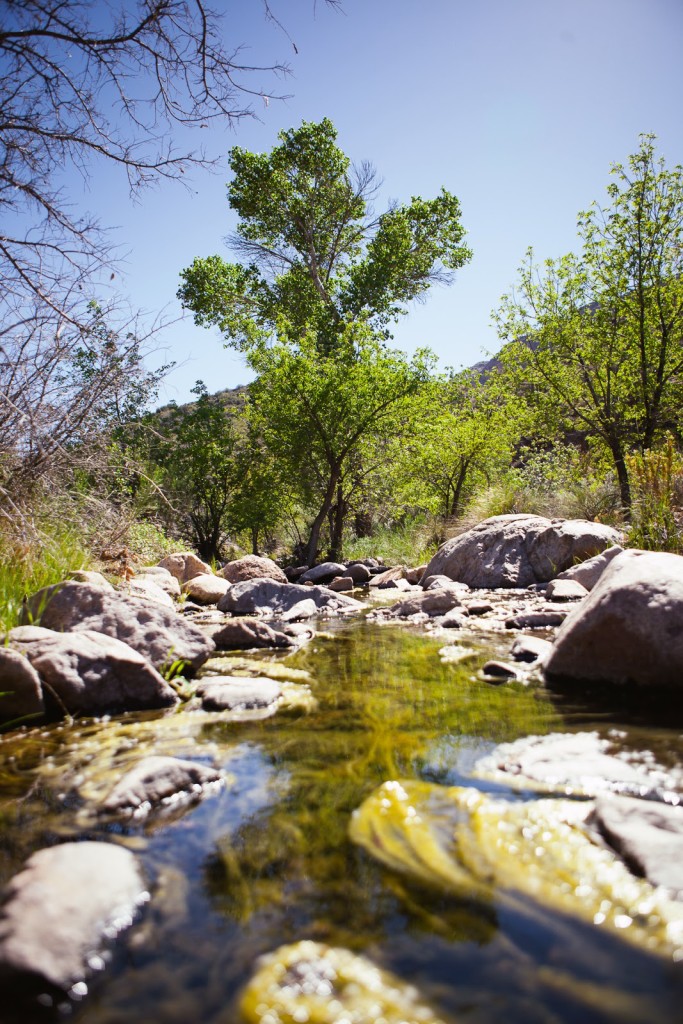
(29,564)
(595,340)
(657,477)
(411,542)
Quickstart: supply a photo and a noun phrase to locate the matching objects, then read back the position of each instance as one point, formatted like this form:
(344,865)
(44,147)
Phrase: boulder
(530,649)
(434,602)
(206,588)
(500,671)
(62,906)
(147,588)
(565,590)
(629,630)
(85,672)
(588,572)
(536,620)
(157,780)
(299,612)
(647,834)
(323,573)
(294,572)
(238,693)
(359,573)
(20,689)
(266,597)
(395,584)
(341,583)
(252,567)
(436,582)
(387,576)
(235,634)
(162,578)
(415,574)
(159,634)
(518,550)
(89,576)
(184,565)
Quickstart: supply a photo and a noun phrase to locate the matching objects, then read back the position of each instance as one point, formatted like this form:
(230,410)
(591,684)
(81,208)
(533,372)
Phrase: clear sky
(519,107)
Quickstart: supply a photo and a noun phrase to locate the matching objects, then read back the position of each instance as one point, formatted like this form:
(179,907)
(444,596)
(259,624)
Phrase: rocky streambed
(384,810)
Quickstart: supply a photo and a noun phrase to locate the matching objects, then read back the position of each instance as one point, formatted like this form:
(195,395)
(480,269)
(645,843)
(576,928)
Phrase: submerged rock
(238,693)
(252,567)
(158,633)
(518,550)
(323,985)
(629,630)
(62,907)
(468,843)
(158,780)
(647,835)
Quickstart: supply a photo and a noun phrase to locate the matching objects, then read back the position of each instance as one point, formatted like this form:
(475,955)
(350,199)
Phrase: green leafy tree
(312,251)
(596,339)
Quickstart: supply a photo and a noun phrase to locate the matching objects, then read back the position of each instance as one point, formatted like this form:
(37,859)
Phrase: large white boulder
(519,550)
(629,629)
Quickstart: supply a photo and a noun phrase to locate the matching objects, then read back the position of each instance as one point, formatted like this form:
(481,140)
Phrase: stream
(268,861)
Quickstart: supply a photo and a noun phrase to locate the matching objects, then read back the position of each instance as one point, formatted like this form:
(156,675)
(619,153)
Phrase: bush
(657,485)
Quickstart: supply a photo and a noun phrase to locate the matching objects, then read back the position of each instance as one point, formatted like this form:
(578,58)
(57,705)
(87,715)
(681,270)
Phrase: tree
(596,341)
(314,256)
(324,415)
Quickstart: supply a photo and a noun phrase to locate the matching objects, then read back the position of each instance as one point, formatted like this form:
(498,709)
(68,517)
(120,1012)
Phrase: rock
(155,570)
(536,620)
(391,584)
(478,607)
(531,649)
(629,630)
(360,574)
(500,670)
(148,589)
(437,582)
(88,576)
(163,579)
(648,835)
(86,672)
(156,780)
(300,611)
(238,693)
(453,619)
(62,906)
(20,690)
(588,572)
(235,634)
(159,634)
(293,573)
(266,597)
(565,590)
(369,563)
(323,573)
(184,565)
(387,576)
(340,584)
(205,588)
(435,602)
(252,567)
(415,574)
(517,550)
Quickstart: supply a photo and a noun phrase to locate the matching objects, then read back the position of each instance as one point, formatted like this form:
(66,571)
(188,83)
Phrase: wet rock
(146,588)
(266,597)
(235,634)
(323,573)
(340,583)
(531,649)
(205,588)
(89,576)
(238,693)
(500,671)
(518,550)
(629,630)
(252,567)
(360,574)
(155,781)
(86,672)
(588,572)
(647,835)
(387,576)
(300,611)
(184,565)
(63,906)
(536,620)
(313,982)
(20,690)
(565,590)
(158,633)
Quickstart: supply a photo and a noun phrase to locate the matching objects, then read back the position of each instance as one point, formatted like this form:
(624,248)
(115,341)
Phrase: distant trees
(595,341)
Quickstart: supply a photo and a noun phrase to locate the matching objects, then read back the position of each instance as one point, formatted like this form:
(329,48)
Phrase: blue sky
(519,107)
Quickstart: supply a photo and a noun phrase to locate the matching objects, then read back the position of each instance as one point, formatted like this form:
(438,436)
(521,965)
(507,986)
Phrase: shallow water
(267,861)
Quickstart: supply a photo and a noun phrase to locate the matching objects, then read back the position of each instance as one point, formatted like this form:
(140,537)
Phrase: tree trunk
(337,526)
(457,490)
(314,536)
(254,540)
(622,475)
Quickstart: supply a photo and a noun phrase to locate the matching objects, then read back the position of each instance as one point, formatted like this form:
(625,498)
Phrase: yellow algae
(310,983)
(254,667)
(541,848)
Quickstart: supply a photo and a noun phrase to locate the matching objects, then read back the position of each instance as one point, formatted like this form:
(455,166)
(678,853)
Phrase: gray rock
(369,563)
(159,634)
(432,603)
(360,574)
(238,693)
(162,578)
(89,576)
(588,572)
(155,570)
(536,620)
(478,607)
(235,634)
(415,574)
(323,573)
(647,834)
(293,573)
(531,649)
(184,565)
(266,597)
(394,584)
(63,906)
(146,588)
(437,582)
(85,672)
(154,781)
(518,550)
(500,670)
(387,575)
(206,588)
(453,619)
(629,629)
(20,690)
(565,590)
(252,567)
(300,611)
(340,583)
